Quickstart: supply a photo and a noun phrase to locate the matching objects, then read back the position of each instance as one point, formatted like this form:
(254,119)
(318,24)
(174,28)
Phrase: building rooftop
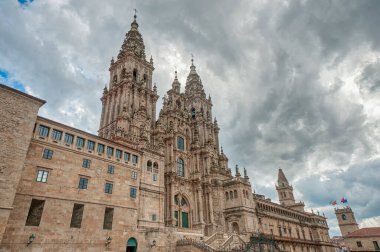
(365,232)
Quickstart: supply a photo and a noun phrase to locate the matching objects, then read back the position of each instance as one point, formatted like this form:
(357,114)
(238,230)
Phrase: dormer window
(114,78)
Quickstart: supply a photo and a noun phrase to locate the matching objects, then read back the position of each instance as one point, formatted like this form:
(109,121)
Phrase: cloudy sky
(295,84)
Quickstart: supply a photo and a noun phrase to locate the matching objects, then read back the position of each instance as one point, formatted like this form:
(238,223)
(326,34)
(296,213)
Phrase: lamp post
(30,239)
(108,240)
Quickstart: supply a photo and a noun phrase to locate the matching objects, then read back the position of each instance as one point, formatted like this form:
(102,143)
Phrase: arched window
(180,143)
(115,78)
(145,77)
(123,73)
(134,74)
(180,167)
(226,195)
(155,167)
(149,166)
(181,211)
(235,227)
(178,103)
(231,195)
(193,112)
(235,194)
(344,217)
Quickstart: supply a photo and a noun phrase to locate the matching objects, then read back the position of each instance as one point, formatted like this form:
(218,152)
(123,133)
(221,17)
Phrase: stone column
(200,205)
(211,208)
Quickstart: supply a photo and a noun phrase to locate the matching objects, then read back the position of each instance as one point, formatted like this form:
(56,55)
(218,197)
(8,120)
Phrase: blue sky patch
(5,79)
(25,2)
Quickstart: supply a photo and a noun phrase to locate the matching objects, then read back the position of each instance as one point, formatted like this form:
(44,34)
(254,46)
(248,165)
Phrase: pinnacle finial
(135,16)
(192,59)
(175,73)
(221,149)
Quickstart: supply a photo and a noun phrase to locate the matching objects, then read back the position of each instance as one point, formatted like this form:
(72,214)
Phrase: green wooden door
(185,220)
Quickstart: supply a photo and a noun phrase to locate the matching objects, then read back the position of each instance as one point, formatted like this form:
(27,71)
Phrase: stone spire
(281,180)
(176,86)
(193,82)
(133,42)
(237,174)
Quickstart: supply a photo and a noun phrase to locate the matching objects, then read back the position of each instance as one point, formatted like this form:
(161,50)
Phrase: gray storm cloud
(295,84)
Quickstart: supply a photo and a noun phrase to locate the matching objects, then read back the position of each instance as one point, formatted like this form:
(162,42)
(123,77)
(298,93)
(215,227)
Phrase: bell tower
(346,220)
(129,100)
(284,190)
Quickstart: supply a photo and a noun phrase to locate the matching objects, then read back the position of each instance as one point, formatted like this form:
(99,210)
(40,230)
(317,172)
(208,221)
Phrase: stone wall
(367,243)
(17,117)
(60,191)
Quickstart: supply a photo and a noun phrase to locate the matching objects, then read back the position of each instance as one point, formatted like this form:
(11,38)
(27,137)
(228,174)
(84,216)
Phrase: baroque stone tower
(346,220)
(129,102)
(191,139)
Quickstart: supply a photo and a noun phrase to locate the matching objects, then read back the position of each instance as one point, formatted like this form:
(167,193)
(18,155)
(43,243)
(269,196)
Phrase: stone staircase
(218,242)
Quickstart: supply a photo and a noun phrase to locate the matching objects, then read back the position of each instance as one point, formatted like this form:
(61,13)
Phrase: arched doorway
(181,211)
(132,245)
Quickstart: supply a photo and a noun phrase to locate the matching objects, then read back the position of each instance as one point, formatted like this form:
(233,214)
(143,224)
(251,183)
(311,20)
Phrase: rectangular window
(48,154)
(69,139)
(359,243)
(176,218)
(76,217)
(57,135)
(43,131)
(86,163)
(376,245)
(35,213)
(108,188)
(111,169)
(80,142)
(133,192)
(83,183)
(126,156)
(42,176)
(135,159)
(154,217)
(180,143)
(108,218)
(100,148)
(109,151)
(154,177)
(118,154)
(90,145)
(134,175)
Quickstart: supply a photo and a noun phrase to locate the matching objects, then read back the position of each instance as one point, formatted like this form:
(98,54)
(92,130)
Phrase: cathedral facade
(141,184)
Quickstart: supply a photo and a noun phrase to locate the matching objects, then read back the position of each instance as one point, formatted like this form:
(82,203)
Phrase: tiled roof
(365,232)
